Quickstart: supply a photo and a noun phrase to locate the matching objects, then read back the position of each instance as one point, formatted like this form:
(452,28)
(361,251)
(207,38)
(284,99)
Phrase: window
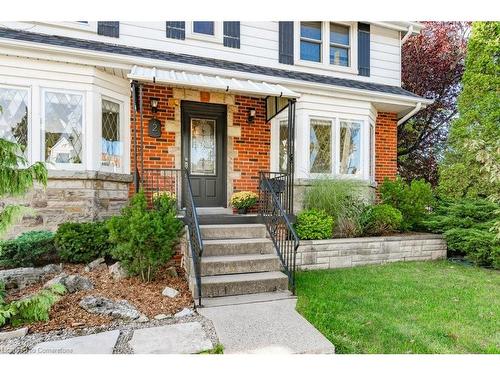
(63,126)
(204,27)
(350,147)
(372,154)
(14,116)
(283,146)
(320,146)
(112,148)
(339,44)
(310,41)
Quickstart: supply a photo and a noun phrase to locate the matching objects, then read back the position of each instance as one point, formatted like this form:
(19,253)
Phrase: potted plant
(243,200)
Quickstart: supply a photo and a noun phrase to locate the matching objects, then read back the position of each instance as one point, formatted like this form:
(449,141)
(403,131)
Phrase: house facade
(112,106)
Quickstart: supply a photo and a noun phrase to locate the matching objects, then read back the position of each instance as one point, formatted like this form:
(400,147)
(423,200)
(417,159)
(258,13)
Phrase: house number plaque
(154,128)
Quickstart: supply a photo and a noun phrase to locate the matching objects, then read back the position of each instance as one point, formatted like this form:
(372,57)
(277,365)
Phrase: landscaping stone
(21,332)
(99,343)
(161,316)
(52,268)
(172,272)
(142,319)
(121,309)
(73,283)
(56,280)
(20,278)
(170,292)
(117,271)
(97,264)
(184,312)
(184,338)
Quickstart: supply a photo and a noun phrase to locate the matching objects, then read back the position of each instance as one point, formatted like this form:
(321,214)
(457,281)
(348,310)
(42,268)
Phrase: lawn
(405,307)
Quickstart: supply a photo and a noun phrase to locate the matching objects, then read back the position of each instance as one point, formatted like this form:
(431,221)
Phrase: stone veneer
(71,196)
(350,252)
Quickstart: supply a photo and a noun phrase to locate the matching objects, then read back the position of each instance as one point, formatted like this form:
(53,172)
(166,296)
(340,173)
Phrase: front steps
(239,264)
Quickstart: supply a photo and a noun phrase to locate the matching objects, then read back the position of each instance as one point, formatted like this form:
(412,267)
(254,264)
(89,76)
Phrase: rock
(121,309)
(117,271)
(162,316)
(98,343)
(170,292)
(142,319)
(97,264)
(21,332)
(73,283)
(184,312)
(19,278)
(52,268)
(171,272)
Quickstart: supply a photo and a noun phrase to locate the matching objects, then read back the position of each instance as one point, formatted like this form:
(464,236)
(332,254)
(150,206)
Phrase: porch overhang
(210,82)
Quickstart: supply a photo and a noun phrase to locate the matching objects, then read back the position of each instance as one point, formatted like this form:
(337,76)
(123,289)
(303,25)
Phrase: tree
(432,67)
(16,178)
(471,164)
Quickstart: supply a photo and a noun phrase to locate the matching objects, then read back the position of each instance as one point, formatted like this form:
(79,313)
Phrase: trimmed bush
(30,249)
(145,239)
(82,242)
(413,200)
(314,225)
(381,219)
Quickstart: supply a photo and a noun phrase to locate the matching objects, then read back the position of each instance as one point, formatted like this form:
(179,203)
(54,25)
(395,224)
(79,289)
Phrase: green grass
(217,349)
(406,307)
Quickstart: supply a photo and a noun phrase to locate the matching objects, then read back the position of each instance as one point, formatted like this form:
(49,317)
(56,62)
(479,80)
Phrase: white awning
(203,81)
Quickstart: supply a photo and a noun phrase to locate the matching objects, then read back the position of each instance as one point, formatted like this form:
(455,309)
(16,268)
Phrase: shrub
(314,225)
(341,199)
(479,246)
(82,242)
(381,219)
(244,199)
(30,249)
(413,200)
(144,239)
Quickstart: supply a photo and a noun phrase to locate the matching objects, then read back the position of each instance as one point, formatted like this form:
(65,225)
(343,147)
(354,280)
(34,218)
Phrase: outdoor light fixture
(154,104)
(251,115)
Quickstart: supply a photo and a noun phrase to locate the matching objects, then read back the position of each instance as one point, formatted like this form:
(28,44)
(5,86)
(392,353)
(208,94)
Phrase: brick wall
(386,136)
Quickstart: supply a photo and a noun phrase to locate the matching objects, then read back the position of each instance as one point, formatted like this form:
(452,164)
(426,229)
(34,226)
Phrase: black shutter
(286,42)
(363,49)
(232,34)
(108,28)
(176,30)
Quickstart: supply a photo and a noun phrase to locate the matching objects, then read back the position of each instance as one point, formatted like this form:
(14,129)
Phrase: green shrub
(145,239)
(82,242)
(413,200)
(314,225)
(341,199)
(478,245)
(381,219)
(30,249)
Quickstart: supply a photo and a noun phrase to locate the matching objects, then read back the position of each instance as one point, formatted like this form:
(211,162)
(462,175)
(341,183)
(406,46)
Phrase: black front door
(204,151)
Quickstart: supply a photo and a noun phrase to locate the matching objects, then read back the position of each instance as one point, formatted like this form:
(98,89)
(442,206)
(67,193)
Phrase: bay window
(283,145)
(111,143)
(14,116)
(350,147)
(320,149)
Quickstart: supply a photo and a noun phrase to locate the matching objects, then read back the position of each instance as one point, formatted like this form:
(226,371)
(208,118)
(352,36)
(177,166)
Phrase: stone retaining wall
(350,252)
(71,196)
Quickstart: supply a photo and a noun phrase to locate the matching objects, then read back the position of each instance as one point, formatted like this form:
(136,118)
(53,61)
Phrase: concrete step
(224,231)
(246,283)
(237,246)
(247,298)
(231,264)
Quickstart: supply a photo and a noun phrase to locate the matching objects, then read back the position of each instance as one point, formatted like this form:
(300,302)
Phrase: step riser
(232,233)
(241,266)
(239,248)
(243,287)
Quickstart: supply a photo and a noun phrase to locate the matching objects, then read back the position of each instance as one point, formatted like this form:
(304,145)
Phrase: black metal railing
(195,240)
(157,180)
(273,198)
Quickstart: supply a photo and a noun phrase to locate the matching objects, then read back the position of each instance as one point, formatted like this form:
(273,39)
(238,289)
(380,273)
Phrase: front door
(204,151)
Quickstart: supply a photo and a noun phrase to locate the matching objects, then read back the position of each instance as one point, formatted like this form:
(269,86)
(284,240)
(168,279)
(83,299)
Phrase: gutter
(417,108)
(407,35)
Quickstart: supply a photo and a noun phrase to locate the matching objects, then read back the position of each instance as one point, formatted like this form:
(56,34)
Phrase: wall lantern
(251,115)
(154,126)
(154,104)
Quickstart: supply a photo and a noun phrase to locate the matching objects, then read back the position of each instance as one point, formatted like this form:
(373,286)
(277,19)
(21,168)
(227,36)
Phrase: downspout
(417,108)
(407,35)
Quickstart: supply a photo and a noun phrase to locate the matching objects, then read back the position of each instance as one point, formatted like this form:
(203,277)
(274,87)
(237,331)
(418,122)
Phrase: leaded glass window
(14,116)
(372,153)
(283,146)
(112,148)
(320,149)
(63,124)
(203,147)
(350,147)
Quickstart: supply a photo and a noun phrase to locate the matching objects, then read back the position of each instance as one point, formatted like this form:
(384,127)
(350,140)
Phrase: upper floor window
(111,145)
(339,44)
(14,116)
(204,27)
(310,41)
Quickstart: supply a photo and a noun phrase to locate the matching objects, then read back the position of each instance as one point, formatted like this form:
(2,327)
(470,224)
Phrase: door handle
(186,164)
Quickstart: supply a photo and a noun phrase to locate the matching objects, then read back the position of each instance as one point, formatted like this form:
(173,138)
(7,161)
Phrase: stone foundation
(71,196)
(350,252)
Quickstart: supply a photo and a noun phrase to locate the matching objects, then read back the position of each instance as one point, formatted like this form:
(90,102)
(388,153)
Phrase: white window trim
(362,173)
(90,26)
(64,166)
(325,48)
(216,38)
(121,133)
(333,137)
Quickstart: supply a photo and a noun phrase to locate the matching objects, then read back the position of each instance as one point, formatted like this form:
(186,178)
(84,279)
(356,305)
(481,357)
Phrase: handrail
(195,240)
(279,227)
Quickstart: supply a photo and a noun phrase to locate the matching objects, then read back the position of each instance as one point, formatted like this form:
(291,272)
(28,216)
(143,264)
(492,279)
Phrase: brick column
(386,138)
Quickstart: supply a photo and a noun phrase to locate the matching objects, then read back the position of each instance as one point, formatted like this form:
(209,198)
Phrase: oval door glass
(203,147)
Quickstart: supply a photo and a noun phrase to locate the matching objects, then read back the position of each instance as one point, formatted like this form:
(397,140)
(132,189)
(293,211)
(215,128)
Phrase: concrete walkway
(266,327)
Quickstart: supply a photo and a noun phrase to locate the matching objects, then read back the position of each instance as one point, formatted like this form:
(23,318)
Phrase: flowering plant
(244,199)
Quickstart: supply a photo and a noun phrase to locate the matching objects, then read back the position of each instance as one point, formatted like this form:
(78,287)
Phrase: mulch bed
(146,297)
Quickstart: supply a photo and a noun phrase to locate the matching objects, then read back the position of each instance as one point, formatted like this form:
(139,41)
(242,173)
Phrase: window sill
(328,67)
(89,175)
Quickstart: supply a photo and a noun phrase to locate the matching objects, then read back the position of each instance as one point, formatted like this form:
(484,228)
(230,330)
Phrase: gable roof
(91,45)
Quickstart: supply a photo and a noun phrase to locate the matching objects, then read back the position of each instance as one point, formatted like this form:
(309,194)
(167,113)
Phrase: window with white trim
(14,116)
(204,27)
(339,44)
(310,41)
(350,147)
(283,145)
(320,146)
(111,139)
(371,153)
(63,119)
